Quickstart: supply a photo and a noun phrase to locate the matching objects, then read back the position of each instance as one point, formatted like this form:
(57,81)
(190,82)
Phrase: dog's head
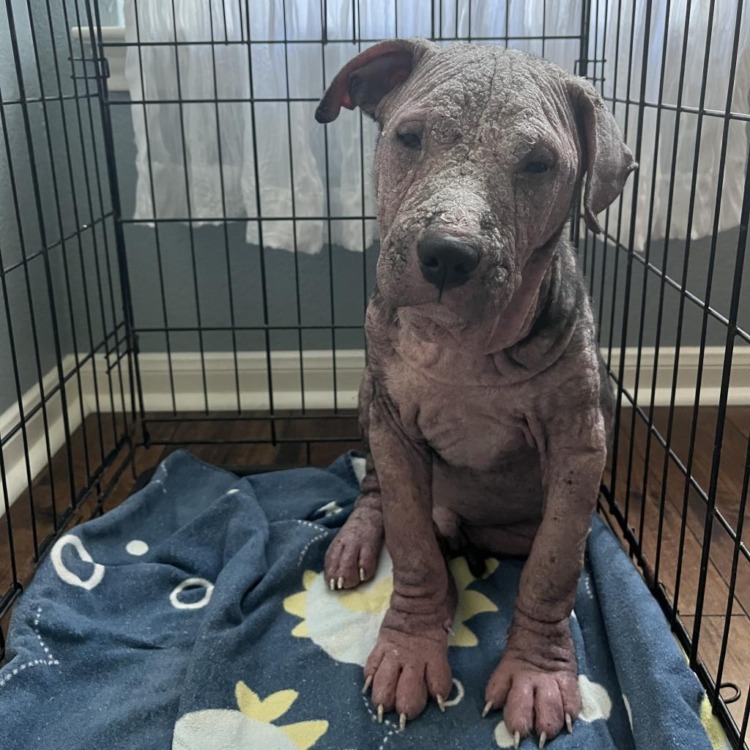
(479,159)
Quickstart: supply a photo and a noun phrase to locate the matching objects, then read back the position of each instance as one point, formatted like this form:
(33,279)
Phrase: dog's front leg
(410,659)
(536,680)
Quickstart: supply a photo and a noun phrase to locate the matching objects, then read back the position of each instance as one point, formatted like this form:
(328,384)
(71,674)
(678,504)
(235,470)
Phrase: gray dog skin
(484,404)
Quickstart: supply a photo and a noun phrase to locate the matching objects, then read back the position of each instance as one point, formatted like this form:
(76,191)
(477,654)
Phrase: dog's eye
(536,167)
(409,140)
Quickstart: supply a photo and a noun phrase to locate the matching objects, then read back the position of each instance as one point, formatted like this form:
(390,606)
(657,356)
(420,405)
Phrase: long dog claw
(516,740)
(332,584)
(569,723)
(402,722)
(487,708)
(340,583)
(542,740)
(380,713)
(368,682)
(441,702)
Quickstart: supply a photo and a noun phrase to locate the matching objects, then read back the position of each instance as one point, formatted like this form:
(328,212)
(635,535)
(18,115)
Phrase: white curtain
(210,172)
(626,20)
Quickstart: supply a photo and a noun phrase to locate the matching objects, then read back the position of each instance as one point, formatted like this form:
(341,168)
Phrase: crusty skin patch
(484,405)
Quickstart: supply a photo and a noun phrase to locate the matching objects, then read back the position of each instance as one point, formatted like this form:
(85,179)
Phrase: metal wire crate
(123,330)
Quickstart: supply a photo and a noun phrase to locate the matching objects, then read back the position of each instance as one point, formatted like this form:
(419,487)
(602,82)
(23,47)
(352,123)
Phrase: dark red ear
(372,74)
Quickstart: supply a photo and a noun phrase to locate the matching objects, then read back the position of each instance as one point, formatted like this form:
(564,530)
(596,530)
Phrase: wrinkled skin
(483,404)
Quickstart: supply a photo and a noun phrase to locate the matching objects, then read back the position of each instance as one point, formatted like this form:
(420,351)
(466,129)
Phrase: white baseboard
(218,389)
(34,441)
(687,374)
(221,374)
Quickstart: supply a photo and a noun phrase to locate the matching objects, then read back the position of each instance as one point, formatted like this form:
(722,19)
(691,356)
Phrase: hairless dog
(484,404)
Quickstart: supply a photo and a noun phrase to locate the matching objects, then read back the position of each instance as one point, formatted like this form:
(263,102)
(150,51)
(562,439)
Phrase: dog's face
(480,155)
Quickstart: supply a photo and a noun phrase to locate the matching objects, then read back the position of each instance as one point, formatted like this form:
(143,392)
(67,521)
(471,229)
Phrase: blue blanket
(195,615)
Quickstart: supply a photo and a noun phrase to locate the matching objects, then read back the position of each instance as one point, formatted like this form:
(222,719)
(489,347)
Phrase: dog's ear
(370,76)
(607,159)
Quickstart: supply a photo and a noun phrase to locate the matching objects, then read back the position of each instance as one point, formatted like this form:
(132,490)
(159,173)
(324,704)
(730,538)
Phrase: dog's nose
(446,261)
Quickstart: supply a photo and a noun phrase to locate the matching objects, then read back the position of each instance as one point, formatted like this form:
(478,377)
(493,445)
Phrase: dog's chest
(468,426)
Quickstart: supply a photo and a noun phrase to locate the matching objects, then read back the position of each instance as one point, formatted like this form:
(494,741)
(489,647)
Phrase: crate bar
(227,257)
(295,241)
(217,220)
(100,72)
(267,327)
(329,219)
(365,295)
(739,264)
(582,64)
(633,211)
(258,441)
(610,343)
(608,212)
(259,211)
(251,417)
(700,110)
(353,40)
(157,234)
(191,236)
(90,206)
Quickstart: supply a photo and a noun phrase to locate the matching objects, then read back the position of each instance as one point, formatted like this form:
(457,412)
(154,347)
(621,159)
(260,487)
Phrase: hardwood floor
(643,478)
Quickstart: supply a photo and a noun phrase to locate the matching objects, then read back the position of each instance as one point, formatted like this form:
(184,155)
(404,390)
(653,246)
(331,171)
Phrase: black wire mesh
(60,283)
(121,328)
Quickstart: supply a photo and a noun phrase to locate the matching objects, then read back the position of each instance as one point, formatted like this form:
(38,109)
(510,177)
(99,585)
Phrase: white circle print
(68,575)
(136,547)
(189,583)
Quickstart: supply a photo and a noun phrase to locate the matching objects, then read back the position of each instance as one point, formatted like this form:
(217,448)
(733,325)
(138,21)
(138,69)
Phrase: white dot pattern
(49,661)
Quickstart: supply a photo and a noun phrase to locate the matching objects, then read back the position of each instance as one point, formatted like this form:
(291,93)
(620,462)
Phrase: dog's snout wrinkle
(446,261)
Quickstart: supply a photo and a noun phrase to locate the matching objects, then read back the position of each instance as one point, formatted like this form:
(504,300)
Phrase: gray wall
(20,227)
(645,291)
(64,136)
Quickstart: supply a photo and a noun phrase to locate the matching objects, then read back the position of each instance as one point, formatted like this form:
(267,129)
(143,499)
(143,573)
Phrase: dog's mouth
(438,313)
(434,322)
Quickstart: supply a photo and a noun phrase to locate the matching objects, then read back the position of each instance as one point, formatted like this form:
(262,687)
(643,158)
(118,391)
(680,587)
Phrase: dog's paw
(534,700)
(405,669)
(353,555)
